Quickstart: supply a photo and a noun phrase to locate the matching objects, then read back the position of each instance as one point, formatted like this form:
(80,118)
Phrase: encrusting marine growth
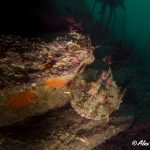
(34,74)
(55,82)
(52,76)
(21,99)
(38,77)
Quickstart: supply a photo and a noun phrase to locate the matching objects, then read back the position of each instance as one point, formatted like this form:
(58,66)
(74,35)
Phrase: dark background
(19,16)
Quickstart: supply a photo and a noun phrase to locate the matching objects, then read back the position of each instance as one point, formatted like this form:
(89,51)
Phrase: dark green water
(136,24)
(129,21)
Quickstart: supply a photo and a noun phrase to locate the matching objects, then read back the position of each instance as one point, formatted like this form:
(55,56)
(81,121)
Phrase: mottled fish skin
(92,100)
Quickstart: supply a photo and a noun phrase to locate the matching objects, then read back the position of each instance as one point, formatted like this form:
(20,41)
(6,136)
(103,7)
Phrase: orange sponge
(21,100)
(55,82)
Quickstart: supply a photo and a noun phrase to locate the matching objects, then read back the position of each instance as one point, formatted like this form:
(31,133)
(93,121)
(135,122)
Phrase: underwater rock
(62,129)
(34,74)
(29,60)
(42,79)
(58,79)
(17,105)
